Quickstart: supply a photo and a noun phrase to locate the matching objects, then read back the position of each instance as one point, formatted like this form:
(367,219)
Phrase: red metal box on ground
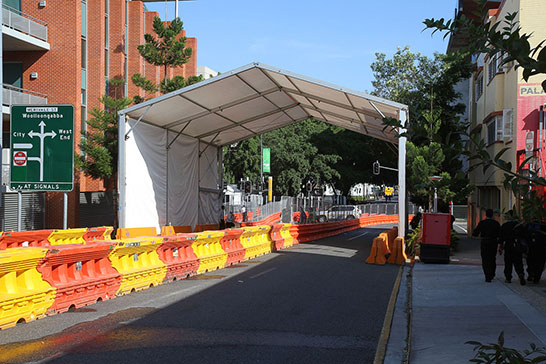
(435,238)
(436,229)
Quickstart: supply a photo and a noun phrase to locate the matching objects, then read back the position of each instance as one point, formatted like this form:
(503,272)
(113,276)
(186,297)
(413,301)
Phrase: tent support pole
(208,145)
(402,213)
(138,121)
(177,135)
(199,179)
(167,145)
(121,171)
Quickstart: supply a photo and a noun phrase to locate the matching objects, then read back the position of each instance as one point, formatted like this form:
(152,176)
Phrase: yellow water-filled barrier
(24,295)
(137,261)
(68,236)
(209,250)
(256,241)
(126,233)
(285,234)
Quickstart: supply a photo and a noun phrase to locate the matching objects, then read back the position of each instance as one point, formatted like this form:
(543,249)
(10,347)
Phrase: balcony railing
(17,96)
(15,19)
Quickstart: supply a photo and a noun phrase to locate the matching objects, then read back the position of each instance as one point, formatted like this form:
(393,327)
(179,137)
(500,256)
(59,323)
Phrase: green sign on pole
(42,148)
(266,157)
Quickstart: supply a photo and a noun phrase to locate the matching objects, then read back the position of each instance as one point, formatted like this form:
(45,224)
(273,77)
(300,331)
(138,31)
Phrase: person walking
(245,214)
(222,223)
(536,256)
(513,254)
(489,230)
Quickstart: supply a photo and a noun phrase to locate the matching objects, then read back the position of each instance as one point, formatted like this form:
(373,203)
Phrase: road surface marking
(262,273)
(358,236)
(462,228)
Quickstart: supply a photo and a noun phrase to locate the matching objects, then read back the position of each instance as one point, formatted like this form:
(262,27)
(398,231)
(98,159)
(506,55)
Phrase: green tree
(358,152)
(99,146)
(427,87)
(166,49)
(294,158)
(505,38)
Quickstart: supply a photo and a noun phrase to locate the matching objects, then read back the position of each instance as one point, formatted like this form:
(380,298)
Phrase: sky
(333,41)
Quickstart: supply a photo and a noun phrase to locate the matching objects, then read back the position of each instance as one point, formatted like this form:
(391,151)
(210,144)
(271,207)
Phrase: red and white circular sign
(20,159)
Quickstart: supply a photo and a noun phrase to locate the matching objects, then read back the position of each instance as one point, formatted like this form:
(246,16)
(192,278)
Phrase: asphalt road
(313,303)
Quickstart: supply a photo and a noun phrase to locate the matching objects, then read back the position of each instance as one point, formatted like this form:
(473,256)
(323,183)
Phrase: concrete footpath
(441,306)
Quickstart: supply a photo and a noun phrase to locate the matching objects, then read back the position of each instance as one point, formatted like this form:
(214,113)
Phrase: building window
(106,46)
(479,86)
(495,66)
(508,124)
(495,130)
(83,110)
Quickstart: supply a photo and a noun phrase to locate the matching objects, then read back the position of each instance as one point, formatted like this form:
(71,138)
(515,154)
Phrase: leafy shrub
(500,354)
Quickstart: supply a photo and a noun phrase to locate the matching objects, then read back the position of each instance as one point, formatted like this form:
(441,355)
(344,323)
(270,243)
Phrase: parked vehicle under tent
(170,147)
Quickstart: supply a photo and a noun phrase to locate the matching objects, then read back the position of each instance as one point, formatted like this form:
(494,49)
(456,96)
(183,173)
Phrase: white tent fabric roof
(258,98)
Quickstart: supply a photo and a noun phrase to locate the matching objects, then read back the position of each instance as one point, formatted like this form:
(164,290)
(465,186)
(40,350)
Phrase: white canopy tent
(170,147)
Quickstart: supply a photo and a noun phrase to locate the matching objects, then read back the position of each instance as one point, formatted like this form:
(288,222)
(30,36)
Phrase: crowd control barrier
(177,253)
(285,233)
(276,237)
(68,236)
(24,296)
(98,233)
(82,275)
(231,244)
(398,251)
(172,230)
(209,250)
(127,233)
(15,239)
(380,250)
(205,227)
(256,241)
(270,220)
(137,261)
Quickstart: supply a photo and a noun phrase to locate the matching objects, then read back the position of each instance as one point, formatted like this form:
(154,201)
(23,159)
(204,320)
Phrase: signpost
(42,149)
(267,160)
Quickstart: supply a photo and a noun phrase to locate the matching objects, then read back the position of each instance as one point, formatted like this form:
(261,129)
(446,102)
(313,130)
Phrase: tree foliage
(310,151)
(505,38)
(427,86)
(98,157)
(167,49)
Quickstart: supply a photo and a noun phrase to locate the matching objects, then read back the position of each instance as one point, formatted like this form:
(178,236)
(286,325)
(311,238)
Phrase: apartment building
(63,52)
(508,108)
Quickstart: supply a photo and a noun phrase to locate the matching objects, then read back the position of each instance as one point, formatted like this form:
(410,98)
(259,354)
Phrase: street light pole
(432,179)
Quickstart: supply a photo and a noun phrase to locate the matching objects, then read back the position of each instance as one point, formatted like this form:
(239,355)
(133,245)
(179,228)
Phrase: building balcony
(17,96)
(21,32)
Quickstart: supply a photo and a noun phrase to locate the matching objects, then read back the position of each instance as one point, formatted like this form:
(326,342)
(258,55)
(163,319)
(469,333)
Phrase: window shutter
(499,125)
(508,122)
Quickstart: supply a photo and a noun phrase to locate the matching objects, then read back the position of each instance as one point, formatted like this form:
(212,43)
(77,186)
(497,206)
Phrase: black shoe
(508,280)
(488,280)
(522,281)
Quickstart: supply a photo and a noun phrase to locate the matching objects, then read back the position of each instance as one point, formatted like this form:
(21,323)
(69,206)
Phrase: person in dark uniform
(536,256)
(489,230)
(513,256)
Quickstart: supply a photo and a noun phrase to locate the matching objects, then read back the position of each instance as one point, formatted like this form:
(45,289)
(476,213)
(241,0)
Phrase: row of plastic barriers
(52,271)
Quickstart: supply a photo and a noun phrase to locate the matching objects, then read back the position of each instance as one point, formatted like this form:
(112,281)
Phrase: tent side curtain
(149,181)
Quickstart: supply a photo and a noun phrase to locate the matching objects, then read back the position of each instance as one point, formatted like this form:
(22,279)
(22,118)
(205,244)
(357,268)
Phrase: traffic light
(248,187)
(376,168)
(309,186)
